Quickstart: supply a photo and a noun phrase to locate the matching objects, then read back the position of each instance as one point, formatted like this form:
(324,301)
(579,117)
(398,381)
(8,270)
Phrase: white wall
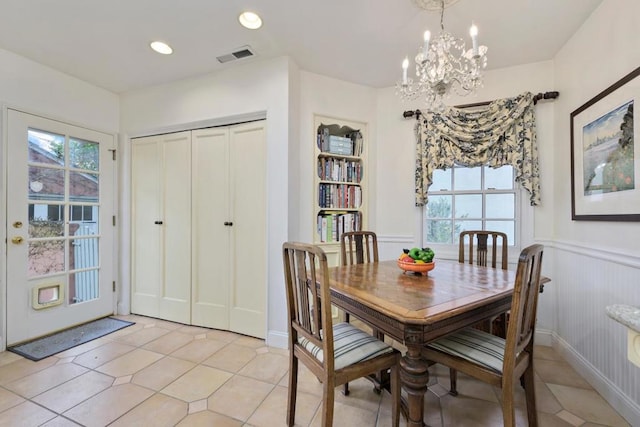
(37,89)
(222,98)
(33,88)
(596,263)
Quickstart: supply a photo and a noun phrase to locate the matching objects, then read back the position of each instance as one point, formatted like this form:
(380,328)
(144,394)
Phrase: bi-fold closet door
(199,227)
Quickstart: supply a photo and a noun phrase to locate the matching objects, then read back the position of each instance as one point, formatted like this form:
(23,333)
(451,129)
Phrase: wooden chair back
(309,305)
(522,320)
(358,247)
(478,243)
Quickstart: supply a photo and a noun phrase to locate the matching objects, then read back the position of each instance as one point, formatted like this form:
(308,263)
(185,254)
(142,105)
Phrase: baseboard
(626,407)
(277,339)
(544,337)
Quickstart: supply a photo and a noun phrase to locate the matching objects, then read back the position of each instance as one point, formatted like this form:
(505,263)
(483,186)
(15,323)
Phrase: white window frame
(523,229)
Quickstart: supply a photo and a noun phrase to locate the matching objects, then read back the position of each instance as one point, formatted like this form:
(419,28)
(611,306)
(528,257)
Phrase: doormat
(47,346)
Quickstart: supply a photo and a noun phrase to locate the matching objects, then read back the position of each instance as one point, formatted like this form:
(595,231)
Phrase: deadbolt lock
(17,240)
(17,224)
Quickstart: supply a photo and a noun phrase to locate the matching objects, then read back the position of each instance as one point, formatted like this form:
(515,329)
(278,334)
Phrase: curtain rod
(539,96)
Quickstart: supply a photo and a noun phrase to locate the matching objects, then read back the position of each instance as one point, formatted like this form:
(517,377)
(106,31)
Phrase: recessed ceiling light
(250,20)
(161,47)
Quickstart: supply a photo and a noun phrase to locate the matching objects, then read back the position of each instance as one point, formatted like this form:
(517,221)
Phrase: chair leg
(382,377)
(395,396)
(453,378)
(508,410)
(293,388)
(345,390)
(530,394)
(328,390)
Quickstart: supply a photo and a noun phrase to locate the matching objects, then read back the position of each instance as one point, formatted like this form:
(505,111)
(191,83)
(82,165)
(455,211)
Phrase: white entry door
(60,227)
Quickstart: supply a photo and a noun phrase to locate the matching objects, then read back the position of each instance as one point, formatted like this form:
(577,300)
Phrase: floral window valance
(502,133)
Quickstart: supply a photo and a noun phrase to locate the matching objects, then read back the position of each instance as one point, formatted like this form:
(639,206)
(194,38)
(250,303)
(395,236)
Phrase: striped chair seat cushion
(350,345)
(475,346)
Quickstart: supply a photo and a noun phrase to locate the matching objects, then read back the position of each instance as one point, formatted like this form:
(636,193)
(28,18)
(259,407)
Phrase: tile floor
(158,373)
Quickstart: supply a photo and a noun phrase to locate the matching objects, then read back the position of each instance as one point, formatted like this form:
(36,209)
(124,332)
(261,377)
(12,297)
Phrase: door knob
(17,240)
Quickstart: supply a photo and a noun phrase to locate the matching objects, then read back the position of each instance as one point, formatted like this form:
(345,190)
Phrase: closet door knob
(158,222)
(227,223)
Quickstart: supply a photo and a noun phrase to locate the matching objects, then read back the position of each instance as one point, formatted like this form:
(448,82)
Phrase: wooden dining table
(415,309)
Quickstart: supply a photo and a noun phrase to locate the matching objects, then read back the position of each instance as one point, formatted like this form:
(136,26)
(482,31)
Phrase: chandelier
(443,65)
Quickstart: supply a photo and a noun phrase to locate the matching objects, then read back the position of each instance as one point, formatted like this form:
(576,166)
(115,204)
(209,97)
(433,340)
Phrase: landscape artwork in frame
(605,161)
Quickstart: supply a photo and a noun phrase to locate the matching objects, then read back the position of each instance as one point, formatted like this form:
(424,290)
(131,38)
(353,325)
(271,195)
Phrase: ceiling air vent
(241,52)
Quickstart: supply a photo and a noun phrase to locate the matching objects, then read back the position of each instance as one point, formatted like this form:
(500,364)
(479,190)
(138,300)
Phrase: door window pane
(498,179)
(83,213)
(45,257)
(84,154)
(45,147)
(83,286)
(46,220)
(83,187)
(83,229)
(467,178)
(83,253)
(469,206)
(46,183)
(500,206)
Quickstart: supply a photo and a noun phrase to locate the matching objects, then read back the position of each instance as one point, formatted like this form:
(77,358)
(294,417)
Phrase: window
(478,198)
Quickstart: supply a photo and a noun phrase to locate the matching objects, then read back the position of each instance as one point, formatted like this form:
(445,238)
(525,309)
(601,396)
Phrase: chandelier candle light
(443,65)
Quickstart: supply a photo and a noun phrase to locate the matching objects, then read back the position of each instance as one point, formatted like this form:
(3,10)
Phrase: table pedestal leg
(414,376)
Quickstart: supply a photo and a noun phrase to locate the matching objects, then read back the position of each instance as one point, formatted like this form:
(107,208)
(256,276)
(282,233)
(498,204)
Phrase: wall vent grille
(240,53)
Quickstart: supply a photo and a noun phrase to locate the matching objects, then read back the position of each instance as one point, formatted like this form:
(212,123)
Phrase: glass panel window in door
(45,147)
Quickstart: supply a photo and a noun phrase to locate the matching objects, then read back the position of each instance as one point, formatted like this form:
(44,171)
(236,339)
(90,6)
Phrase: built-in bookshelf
(340,179)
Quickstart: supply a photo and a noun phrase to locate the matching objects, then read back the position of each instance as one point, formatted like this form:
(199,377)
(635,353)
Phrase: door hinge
(114,285)
(113,220)
(113,153)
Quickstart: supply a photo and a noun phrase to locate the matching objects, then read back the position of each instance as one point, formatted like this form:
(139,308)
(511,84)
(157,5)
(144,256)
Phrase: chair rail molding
(602,253)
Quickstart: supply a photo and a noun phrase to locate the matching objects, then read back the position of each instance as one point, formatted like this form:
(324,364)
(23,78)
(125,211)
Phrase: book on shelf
(341,170)
(332,225)
(339,196)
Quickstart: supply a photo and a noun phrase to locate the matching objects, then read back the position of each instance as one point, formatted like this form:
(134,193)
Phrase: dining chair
(482,245)
(360,247)
(478,243)
(497,361)
(335,354)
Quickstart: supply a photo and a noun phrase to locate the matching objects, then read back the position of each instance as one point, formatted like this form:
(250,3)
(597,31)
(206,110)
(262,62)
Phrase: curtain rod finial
(410,113)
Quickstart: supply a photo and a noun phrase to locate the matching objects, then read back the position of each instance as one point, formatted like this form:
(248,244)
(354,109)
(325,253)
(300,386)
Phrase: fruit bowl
(422,268)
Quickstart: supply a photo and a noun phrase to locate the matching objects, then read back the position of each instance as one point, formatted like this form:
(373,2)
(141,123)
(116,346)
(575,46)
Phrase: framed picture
(605,162)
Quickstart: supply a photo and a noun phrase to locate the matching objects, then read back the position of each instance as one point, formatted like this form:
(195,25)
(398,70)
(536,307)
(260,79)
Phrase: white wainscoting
(584,282)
